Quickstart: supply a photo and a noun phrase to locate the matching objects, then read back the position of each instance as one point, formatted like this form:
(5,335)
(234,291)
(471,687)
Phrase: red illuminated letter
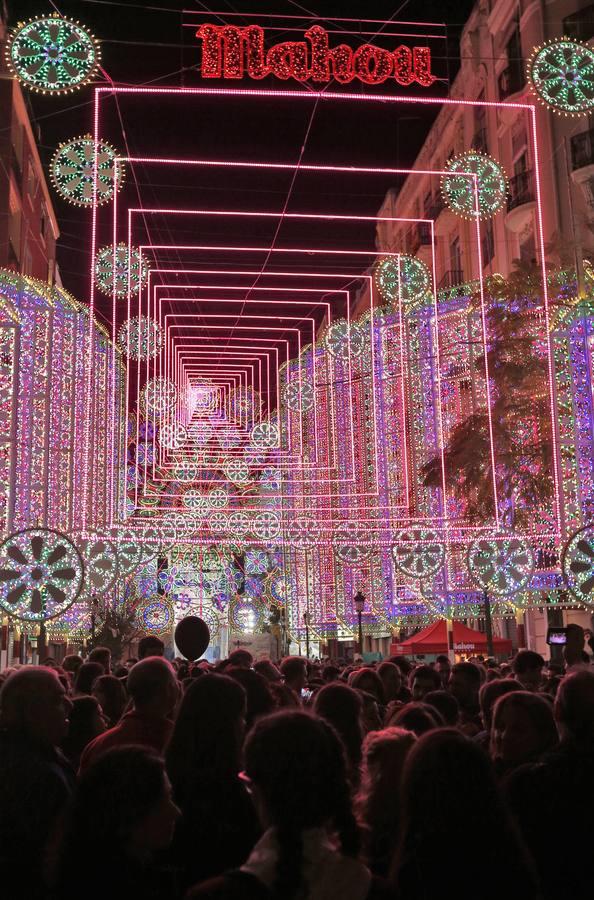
(372,65)
(288,60)
(341,57)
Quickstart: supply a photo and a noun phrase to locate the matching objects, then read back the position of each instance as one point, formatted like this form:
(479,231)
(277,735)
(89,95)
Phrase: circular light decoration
(100,560)
(458,188)
(402,278)
(200,433)
(218,498)
(501,565)
(185,471)
(418,552)
(264,435)
(173,436)
(195,500)
(73,166)
(129,551)
(246,616)
(302,532)
(144,337)
(561,74)
(52,55)
(184,524)
(208,615)
(237,471)
(238,523)
(349,543)
(218,522)
(299,395)
(577,563)
(266,525)
(343,340)
(158,395)
(277,587)
(155,615)
(41,574)
(114,268)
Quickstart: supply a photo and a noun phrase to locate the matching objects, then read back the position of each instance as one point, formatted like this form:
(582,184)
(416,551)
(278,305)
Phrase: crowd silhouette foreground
(307,780)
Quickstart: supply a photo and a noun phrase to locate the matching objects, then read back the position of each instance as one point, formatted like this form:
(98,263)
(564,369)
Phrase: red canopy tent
(434,639)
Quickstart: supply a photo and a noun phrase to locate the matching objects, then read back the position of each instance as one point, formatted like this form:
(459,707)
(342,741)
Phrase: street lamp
(359,604)
(306,622)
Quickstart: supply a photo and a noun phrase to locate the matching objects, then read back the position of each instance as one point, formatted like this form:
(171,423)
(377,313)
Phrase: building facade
(28,226)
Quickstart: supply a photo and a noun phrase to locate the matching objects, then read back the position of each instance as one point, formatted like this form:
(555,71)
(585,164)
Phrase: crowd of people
(302,780)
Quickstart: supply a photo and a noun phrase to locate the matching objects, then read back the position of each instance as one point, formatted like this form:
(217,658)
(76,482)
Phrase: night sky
(147,44)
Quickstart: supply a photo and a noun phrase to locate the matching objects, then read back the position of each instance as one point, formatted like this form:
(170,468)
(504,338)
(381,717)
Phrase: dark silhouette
(445,704)
(150,645)
(86,677)
(86,722)
(111,694)
(341,706)
(416,717)
(523,729)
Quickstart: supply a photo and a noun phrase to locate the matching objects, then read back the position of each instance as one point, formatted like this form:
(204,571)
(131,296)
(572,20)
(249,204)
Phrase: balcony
(479,141)
(511,80)
(521,200)
(580,25)
(450,279)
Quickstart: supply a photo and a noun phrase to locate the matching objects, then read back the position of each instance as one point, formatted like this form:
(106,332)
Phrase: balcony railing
(418,236)
(582,150)
(580,25)
(479,141)
(511,80)
(521,190)
(434,209)
(451,279)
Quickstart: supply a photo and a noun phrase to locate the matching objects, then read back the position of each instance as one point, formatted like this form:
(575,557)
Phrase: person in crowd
(296,772)
(240,659)
(464,684)
(85,722)
(341,706)
(378,803)
(489,694)
(527,667)
(450,800)
(260,700)
(153,687)
(574,650)
(101,655)
(203,762)
(445,704)
(294,672)
(111,694)
(330,673)
(35,778)
(367,680)
(71,664)
(443,667)
(86,676)
(391,679)
(122,814)
(555,789)
(423,679)
(267,668)
(416,717)
(151,645)
(404,665)
(523,730)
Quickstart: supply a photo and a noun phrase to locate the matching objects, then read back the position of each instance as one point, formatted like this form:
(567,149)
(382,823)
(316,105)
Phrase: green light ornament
(561,74)
(458,185)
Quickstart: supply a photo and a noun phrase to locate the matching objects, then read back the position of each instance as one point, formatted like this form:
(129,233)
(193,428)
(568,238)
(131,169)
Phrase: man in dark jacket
(35,779)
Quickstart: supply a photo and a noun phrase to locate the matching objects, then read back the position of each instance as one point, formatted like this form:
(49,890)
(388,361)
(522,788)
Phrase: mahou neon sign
(232,52)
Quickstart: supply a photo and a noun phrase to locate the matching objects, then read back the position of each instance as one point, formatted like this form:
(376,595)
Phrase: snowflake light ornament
(140,338)
(577,563)
(402,278)
(462,193)
(561,75)
(265,435)
(173,436)
(418,552)
(158,396)
(501,565)
(266,525)
(237,471)
(115,267)
(75,172)
(52,54)
(299,395)
(218,497)
(343,340)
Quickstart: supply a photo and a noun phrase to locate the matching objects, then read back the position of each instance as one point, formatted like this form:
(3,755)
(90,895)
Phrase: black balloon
(192,637)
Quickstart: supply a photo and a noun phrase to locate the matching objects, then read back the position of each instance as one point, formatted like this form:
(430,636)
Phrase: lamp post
(488,622)
(359,604)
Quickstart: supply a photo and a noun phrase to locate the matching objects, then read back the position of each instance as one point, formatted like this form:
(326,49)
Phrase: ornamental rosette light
(173,436)
(155,615)
(41,574)
(418,552)
(119,270)
(140,338)
(561,75)
(468,196)
(83,171)
(402,278)
(158,396)
(577,563)
(299,395)
(52,54)
(344,340)
(264,435)
(501,565)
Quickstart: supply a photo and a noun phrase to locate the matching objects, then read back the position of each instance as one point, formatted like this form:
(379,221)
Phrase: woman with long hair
(452,809)
(523,730)
(219,826)
(295,769)
(341,706)
(122,816)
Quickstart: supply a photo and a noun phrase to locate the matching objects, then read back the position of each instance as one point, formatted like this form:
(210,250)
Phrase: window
(528,248)
(580,25)
(456,260)
(14,223)
(512,78)
(488,244)
(31,179)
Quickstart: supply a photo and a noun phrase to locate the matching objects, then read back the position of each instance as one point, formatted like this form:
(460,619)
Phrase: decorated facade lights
(561,74)
(577,563)
(52,54)
(501,565)
(158,396)
(463,193)
(156,615)
(404,278)
(85,172)
(118,270)
(418,552)
(100,559)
